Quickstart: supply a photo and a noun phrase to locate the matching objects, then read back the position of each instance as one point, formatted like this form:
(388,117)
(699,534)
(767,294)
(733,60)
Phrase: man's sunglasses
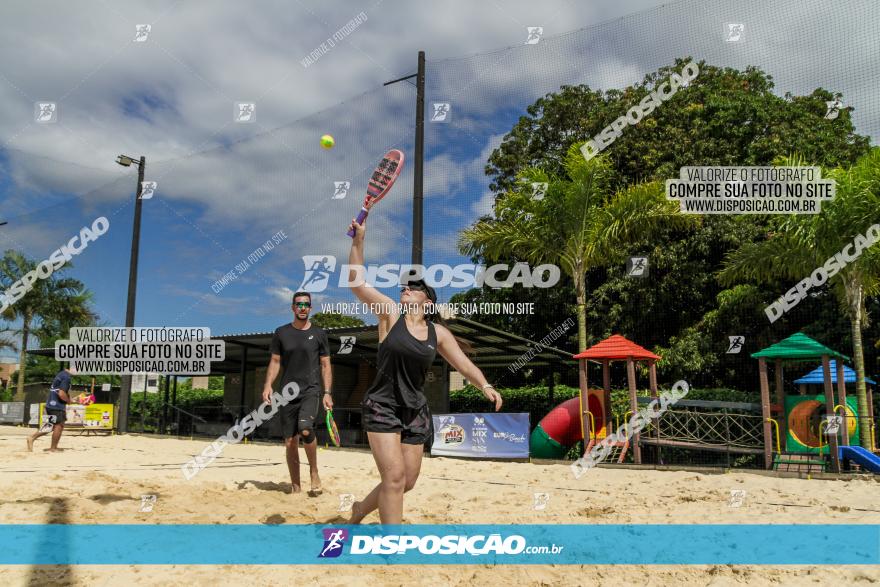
(303,305)
(413,287)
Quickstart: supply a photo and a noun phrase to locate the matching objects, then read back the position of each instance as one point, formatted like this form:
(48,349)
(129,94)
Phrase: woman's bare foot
(295,488)
(316,485)
(356,515)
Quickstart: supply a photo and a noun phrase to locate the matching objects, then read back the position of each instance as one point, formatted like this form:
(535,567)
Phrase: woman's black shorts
(415,425)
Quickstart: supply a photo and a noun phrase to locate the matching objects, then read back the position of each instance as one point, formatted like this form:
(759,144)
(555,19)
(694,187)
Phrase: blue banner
(504,436)
(604,544)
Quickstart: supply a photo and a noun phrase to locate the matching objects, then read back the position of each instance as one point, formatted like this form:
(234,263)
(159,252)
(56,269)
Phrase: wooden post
(841,396)
(585,403)
(634,406)
(606,385)
(829,409)
(780,401)
(652,383)
(765,412)
(802,389)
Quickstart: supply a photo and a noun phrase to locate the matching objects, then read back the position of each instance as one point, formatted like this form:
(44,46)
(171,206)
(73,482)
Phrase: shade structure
(616,348)
(798,346)
(815,377)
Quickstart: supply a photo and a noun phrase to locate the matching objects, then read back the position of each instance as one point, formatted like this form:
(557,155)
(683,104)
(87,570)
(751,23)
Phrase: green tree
(51,307)
(723,117)
(335,320)
(580,224)
(802,243)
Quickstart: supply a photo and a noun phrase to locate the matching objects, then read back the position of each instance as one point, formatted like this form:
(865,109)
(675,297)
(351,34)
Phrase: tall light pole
(125,392)
(418,159)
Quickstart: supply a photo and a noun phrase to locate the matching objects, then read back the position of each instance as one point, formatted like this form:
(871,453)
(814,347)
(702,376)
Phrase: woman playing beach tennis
(395,410)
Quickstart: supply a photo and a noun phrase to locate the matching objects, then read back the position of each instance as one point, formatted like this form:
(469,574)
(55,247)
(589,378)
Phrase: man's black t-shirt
(300,351)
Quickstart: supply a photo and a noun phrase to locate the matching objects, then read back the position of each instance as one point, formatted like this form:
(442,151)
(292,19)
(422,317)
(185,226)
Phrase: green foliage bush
(535,399)
(190,400)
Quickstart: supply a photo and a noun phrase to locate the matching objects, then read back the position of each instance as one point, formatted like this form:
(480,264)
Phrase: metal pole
(418,163)
(165,404)
(125,392)
(144,403)
(243,376)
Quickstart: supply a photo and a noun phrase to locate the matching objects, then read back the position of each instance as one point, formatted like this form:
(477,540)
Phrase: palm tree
(49,309)
(799,244)
(579,225)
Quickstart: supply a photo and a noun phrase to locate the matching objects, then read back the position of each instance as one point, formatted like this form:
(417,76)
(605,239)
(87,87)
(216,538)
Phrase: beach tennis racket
(380,183)
(332,429)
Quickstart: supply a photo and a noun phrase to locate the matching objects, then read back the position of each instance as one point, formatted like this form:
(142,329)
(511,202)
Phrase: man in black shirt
(56,410)
(301,352)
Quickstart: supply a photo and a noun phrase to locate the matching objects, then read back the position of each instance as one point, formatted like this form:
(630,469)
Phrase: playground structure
(805,413)
(561,428)
(735,428)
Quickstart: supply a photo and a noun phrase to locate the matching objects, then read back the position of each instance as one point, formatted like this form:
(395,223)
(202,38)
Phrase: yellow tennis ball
(327,142)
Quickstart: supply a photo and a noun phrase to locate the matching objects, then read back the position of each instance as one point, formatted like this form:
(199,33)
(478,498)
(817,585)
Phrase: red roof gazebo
(615,348)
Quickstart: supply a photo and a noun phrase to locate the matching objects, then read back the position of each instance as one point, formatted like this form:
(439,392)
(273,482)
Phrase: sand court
(103,480)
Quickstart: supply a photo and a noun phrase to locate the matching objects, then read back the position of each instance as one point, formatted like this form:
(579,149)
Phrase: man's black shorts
(299,415)
(415,426)
(60,416)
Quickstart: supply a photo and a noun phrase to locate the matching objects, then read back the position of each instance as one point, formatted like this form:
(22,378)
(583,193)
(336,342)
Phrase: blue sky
(224,187)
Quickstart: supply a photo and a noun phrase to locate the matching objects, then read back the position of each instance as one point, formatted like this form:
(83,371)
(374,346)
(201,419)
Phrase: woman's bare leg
(412,464)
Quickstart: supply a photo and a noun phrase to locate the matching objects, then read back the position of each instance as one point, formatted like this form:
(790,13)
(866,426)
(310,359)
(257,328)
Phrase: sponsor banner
(11,412)
(502,436)
(540,544)
(97,416)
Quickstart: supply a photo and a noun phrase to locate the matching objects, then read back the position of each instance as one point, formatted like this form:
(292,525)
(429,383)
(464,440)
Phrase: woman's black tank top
(402,364)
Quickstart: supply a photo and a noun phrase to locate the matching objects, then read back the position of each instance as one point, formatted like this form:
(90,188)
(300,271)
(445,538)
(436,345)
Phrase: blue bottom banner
(612,544)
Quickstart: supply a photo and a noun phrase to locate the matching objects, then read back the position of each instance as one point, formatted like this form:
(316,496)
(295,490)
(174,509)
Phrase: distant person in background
(55,410)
